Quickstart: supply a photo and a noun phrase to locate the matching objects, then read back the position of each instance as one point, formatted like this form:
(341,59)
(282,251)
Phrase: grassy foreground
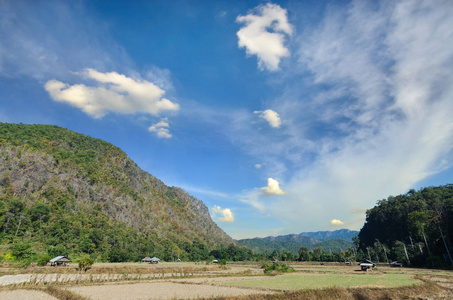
(311,281)
(317,281)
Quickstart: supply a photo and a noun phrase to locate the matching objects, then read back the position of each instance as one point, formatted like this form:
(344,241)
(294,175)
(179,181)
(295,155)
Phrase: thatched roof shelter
(146,259)
(59,260)
(154,260)
(366,265)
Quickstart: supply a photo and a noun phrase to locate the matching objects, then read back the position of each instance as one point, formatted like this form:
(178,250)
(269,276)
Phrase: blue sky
(282,116)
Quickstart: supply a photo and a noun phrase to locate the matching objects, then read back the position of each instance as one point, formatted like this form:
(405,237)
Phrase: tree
(22,251)
(304,254)
(417,221)
(316,254)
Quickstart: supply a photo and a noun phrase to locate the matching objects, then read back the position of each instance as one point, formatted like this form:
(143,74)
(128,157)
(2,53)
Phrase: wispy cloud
(113,93)
(264,35)
(67,39)
(381,121)
(161,129)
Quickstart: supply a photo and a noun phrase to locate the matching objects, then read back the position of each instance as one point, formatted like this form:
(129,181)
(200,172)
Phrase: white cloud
(161,129)
(67,39)
(270,116)
(258,166)
(264,35)
(226,214)
(391,65)
(373,121)
(114,93)
(336,222)
(272,188)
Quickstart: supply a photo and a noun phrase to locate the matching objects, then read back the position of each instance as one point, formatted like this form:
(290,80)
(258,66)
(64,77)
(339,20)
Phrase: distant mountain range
(328,240)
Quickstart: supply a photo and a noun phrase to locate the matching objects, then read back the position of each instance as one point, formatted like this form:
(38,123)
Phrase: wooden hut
(146,259)
(59,261)
(154,260)
(366,265)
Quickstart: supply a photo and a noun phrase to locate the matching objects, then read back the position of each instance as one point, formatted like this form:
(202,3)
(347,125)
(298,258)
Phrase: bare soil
(159,290)
(25,295)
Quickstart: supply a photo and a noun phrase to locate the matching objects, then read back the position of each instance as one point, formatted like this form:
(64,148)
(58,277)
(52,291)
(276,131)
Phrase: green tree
(22,251)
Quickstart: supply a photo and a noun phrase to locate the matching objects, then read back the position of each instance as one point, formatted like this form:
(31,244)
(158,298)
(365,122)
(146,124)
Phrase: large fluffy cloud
(226,214)
(264,35)
(113,93)
(272,188)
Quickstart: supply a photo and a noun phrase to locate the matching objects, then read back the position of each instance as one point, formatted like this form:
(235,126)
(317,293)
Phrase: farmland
(235,281)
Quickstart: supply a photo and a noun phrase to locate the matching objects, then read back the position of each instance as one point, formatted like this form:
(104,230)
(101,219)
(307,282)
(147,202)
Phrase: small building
(154,260)
(366,265)
(146,259)
(59,261)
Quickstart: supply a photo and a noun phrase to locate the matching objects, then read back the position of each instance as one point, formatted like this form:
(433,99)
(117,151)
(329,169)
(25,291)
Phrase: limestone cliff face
(55,166)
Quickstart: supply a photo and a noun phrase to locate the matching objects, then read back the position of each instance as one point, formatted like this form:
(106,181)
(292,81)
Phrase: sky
(281,116)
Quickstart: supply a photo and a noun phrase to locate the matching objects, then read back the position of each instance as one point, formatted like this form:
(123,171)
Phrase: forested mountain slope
(416,228)
(64,192)
(327,240)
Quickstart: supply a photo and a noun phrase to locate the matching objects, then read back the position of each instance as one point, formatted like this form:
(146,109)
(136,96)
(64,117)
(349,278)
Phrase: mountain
(63,192)
(341,234)
(328,240)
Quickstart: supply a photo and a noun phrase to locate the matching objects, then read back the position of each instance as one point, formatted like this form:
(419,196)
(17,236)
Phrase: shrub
(277,268)
(85,263)
(8,257)
(43,260)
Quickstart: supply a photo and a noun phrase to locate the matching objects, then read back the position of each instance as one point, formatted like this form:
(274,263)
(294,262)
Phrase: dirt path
(25,295)
(41,278)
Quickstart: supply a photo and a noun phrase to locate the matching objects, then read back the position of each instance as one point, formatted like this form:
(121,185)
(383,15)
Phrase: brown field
(236,281)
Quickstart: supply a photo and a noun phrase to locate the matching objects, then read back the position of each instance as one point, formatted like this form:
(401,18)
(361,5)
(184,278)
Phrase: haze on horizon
(282,117)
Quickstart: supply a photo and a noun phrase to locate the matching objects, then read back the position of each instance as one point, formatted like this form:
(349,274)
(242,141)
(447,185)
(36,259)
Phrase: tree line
(415,228)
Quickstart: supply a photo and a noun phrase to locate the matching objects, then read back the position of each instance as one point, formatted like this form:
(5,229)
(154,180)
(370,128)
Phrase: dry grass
(63,294)
(334,293)
(432,284)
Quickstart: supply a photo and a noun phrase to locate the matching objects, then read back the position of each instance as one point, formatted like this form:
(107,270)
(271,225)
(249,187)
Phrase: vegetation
(336,241)
(414,228)
(305,281)
(314,281)
(85,263)
(277,268)
(63,193)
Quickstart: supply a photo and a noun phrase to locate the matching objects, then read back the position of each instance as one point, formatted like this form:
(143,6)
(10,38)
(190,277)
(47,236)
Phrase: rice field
(318,281)
(236,281)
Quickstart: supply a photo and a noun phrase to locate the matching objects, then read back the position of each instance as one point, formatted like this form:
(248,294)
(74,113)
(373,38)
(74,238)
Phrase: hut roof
(60,259)
(155,259)
(366,265)
(366,261)
(147,259)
